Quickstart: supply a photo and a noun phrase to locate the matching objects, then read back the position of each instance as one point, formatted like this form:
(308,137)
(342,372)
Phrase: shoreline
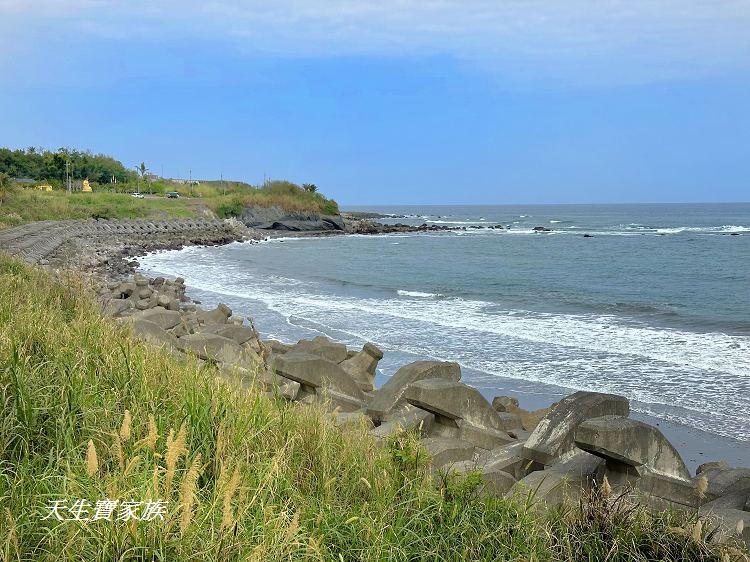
(696,446)
(560,450)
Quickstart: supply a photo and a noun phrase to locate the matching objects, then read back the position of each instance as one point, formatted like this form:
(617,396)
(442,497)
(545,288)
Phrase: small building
(44,187)
(86,187)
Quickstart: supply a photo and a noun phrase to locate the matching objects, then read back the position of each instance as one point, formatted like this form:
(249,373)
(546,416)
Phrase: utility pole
(191,182)
(223,187)
(67,173)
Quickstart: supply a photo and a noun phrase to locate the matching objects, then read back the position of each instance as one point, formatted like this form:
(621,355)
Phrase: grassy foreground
(88,413)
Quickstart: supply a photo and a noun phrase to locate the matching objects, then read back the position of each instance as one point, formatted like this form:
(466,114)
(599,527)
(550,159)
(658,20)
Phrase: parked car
(173,195)
(137,195)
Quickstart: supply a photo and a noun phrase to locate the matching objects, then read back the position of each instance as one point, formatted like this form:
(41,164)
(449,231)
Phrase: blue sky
(429,101)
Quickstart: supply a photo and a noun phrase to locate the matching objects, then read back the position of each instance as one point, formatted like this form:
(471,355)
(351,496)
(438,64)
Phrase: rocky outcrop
(275,218)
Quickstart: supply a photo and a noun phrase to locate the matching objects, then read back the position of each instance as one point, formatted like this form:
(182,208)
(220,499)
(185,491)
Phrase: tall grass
(88,413)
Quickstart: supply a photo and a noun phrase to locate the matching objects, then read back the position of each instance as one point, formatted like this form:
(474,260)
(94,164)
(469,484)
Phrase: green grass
(26,205)
(30,205)
(276,481)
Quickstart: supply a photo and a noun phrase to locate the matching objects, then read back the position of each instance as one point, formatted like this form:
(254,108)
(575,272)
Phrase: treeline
(45,165)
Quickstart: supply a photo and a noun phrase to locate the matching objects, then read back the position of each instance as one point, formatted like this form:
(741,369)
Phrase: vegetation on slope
(21,203)
(284,194)
(86,413)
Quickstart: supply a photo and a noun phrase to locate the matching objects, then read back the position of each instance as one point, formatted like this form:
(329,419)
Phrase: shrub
(230,209)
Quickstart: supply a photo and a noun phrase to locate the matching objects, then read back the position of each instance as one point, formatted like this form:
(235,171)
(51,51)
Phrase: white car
(137,195)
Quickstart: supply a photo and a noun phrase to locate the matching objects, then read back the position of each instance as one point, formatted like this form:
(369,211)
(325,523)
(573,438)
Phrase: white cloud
(607,41)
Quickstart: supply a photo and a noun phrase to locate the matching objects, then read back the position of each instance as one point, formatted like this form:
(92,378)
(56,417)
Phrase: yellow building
(86,187)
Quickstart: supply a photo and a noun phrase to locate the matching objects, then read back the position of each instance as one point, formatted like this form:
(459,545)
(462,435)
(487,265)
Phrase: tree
(7,187)
(143,171)
(310,187)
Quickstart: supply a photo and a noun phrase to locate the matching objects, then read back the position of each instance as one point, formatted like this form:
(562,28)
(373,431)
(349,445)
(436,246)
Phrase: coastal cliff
(276,218)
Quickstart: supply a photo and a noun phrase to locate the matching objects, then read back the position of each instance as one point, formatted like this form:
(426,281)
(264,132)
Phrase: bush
(230,209)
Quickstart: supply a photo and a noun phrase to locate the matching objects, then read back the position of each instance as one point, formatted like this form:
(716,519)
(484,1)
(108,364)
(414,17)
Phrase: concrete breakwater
(107,245)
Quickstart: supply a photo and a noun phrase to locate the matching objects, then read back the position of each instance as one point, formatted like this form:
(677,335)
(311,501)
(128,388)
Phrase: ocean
(653,305)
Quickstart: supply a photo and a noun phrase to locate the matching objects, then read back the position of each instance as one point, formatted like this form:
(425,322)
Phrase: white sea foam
(419,294)
(437,221)
(692,374)
(727,228)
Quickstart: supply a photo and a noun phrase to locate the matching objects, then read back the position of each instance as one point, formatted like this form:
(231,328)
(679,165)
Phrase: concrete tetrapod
(553,439)
(631,442)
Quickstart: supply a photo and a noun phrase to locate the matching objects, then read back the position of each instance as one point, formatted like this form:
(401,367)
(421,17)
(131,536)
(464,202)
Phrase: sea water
(654,304)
